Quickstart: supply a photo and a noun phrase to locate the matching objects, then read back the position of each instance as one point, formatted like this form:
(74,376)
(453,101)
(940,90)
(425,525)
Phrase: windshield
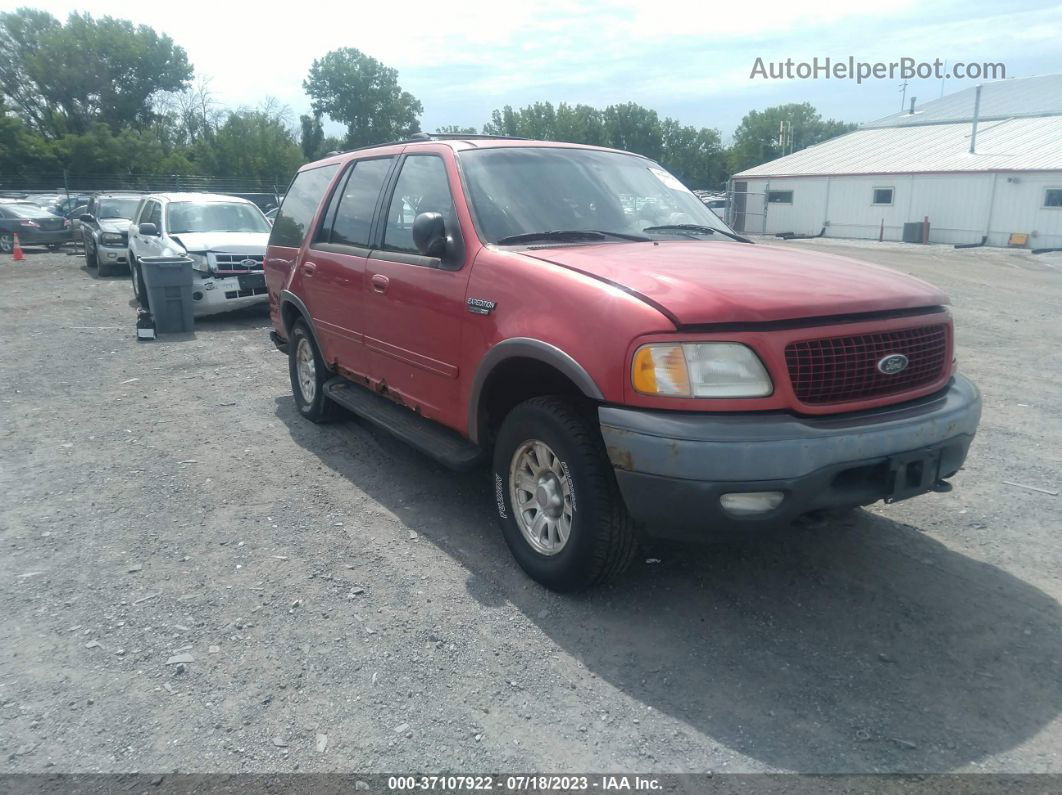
(117,208)
(186,217)
(525,190)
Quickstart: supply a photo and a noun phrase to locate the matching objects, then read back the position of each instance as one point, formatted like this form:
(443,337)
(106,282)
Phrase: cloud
(463,59)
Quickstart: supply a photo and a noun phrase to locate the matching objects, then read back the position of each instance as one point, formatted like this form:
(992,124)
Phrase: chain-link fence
(60,182)
(746,211)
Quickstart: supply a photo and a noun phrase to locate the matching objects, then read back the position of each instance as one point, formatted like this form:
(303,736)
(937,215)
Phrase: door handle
(379,283)
(309,268)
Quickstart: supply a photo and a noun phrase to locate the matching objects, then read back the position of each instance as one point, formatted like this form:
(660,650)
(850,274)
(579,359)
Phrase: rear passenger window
(299,205)
(356,206)
(422,187)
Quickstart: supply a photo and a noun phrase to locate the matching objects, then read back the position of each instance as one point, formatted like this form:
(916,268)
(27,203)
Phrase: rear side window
(299,206)
(356,206)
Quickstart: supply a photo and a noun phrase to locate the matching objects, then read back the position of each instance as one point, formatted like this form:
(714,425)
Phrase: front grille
(238,262)
(841,369)
(245,293)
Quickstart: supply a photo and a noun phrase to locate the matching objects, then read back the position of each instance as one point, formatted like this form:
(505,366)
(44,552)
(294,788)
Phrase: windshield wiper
(567,235)
(696,229)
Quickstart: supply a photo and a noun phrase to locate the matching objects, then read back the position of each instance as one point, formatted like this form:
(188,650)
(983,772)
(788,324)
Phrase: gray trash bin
(169,290)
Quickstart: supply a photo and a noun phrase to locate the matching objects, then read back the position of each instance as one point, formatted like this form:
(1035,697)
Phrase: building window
(1053,197)
(779,197)
(882,196)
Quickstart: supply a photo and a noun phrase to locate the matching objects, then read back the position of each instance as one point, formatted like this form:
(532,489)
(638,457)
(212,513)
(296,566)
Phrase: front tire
(139,289)
(90,256)
(561,512)
(308,373)
(103,268)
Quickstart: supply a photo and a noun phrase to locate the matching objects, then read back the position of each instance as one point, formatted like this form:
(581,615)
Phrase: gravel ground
(343,604)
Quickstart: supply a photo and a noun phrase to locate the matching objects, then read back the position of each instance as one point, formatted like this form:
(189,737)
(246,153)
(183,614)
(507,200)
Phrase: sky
(687,59)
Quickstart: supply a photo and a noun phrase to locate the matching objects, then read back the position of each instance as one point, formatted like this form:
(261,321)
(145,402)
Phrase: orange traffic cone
(16,252)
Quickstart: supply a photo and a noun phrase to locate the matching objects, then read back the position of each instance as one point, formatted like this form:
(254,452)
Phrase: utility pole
(903,94)
(785,136)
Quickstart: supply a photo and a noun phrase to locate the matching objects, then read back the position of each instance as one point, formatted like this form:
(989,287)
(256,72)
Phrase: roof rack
(421,137)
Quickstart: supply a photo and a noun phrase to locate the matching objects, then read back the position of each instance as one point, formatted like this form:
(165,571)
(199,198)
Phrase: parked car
(225,236)
(44,199)
(34,226)
(271,214)
(74,216)
(105,230)
(507,301)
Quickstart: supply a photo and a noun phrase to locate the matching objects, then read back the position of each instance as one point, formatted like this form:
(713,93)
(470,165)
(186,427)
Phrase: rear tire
(7,243)
(308,375)
(570,528)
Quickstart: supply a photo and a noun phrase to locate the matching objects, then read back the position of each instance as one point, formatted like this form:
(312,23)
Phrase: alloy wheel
(306,368)
(541,497)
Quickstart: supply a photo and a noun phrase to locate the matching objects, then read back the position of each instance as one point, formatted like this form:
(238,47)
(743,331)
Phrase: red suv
(628,363)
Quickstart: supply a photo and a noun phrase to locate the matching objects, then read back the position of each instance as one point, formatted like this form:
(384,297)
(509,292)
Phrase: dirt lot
(349,605)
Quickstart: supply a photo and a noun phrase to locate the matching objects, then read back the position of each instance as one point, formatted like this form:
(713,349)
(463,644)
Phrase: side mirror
(429,234)
(149,230)
(86,218)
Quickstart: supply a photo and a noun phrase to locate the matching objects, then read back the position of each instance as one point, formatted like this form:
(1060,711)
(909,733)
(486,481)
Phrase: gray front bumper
(673,466)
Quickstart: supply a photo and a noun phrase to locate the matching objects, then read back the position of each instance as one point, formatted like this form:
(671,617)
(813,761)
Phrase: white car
(225,236)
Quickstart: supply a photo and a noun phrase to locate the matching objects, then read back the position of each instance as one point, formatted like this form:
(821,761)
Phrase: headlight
(199,263)
(111,239)
(700,369)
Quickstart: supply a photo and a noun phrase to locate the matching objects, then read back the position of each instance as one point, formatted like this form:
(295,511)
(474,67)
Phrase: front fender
(526,348)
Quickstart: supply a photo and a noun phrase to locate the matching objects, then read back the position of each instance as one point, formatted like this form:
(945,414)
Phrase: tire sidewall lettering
(499,494)
(571,483)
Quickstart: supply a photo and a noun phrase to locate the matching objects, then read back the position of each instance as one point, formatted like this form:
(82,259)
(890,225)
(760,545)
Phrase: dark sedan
(34,226)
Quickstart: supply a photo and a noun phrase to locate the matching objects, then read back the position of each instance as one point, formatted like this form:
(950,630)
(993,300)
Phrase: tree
(253,145)
(756,138)
(25,156)
(695,156)
(189,116)
(456,129)
(311,135)
(580,124)
(633,128)
(65,78)
(360,92)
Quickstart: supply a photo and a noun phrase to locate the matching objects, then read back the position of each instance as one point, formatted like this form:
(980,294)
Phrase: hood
(702,282)
(233,242)
(114,224)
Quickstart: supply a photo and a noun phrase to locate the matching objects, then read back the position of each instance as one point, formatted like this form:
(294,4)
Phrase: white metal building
(910,166)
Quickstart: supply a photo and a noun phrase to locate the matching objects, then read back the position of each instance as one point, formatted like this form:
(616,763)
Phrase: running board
(447,447)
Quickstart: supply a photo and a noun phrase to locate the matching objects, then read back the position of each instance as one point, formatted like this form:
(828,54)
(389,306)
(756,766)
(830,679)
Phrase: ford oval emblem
(249,263)
(893,363)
